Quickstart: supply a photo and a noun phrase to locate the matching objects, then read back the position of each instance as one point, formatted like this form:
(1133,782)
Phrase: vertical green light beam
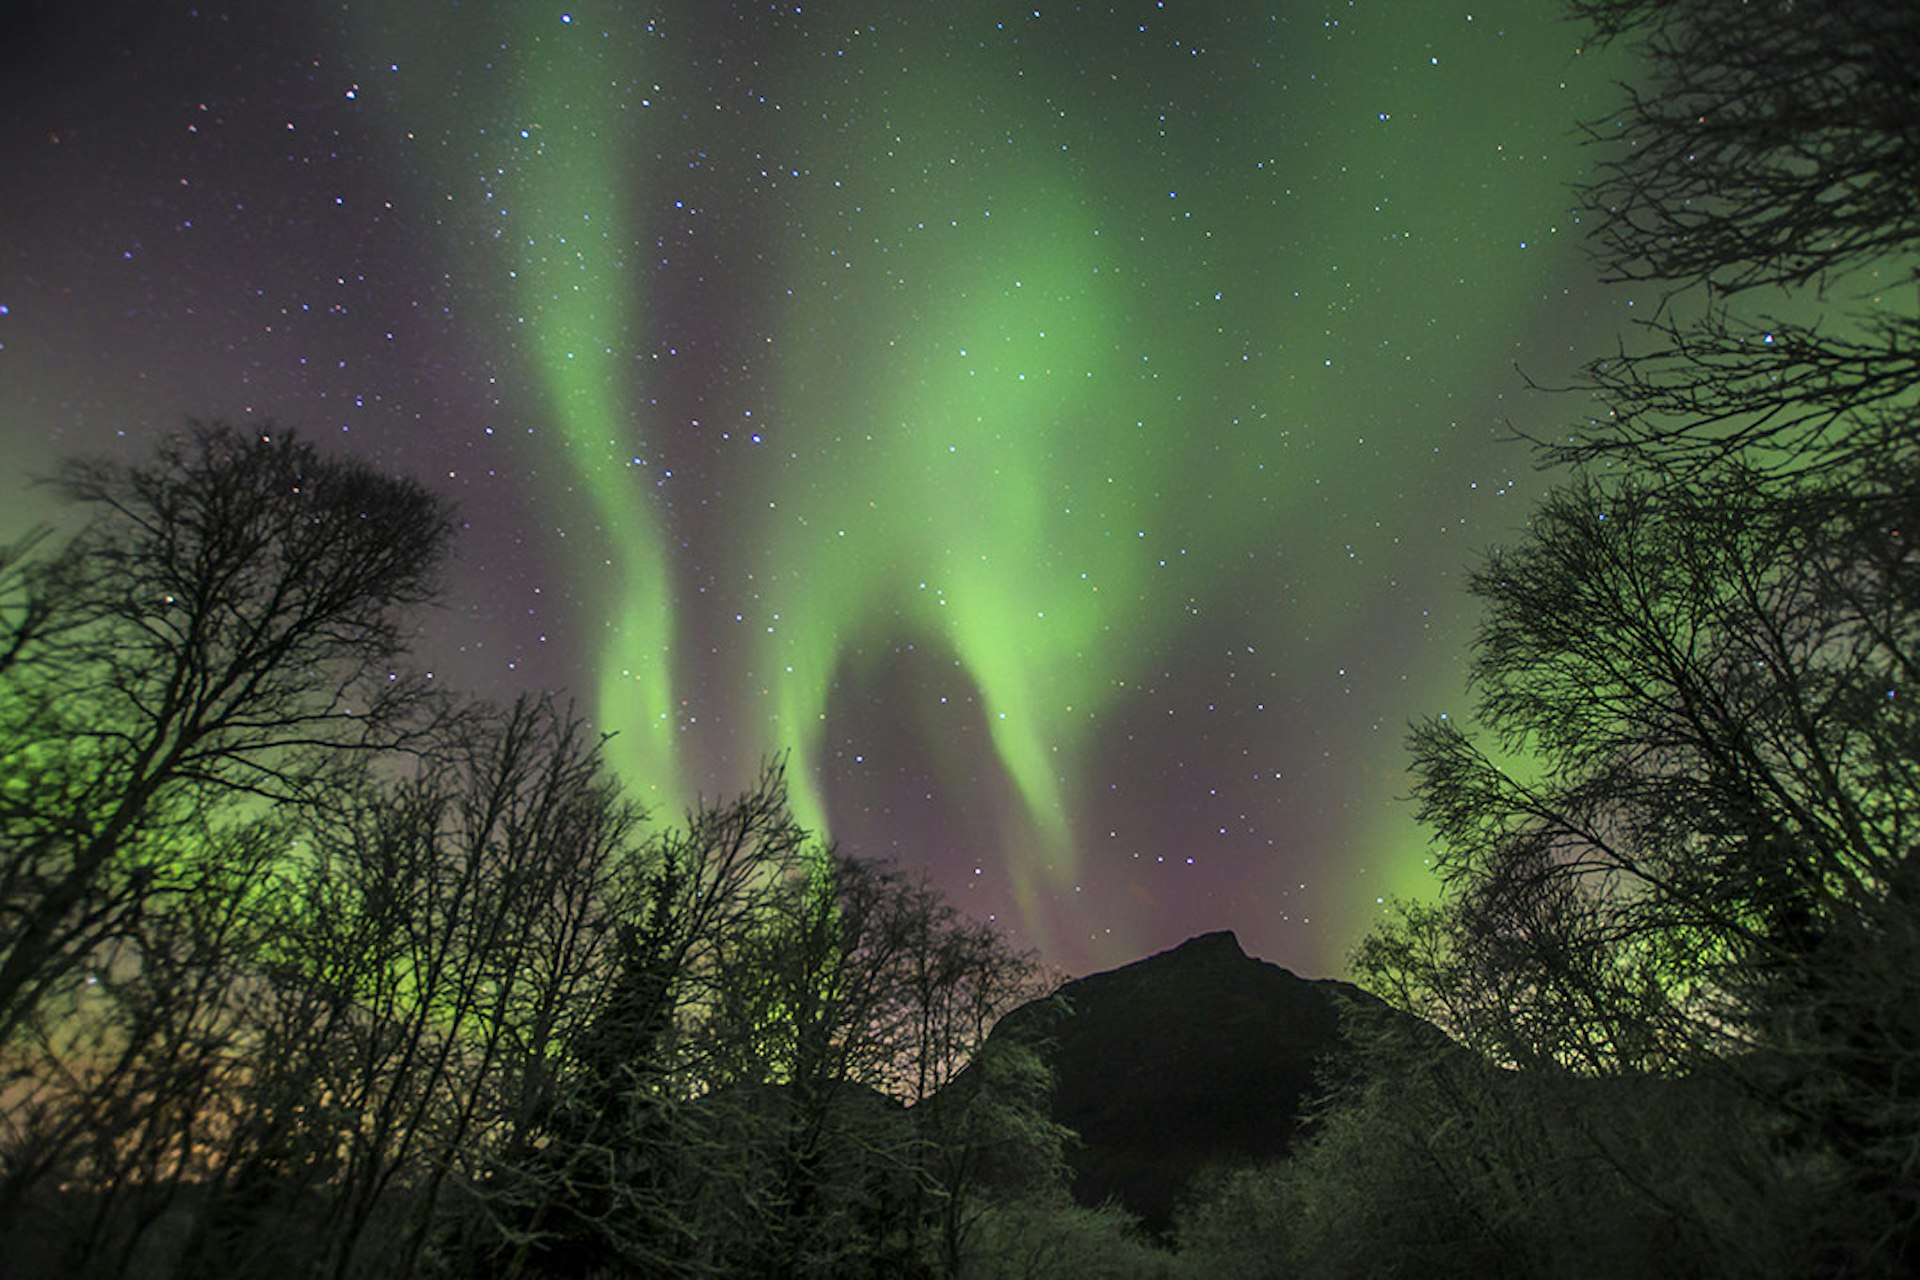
(976,420)
(577,294)
(541,118)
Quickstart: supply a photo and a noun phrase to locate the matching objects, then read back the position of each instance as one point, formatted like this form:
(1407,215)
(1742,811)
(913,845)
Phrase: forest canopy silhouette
(309,967)
(1679,928)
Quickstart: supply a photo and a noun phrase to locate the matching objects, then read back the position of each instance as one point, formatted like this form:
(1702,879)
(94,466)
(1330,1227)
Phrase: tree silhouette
(1683,838)
(1716,771)
(1769,156)
(225,626)
(304,968)
(1771,145)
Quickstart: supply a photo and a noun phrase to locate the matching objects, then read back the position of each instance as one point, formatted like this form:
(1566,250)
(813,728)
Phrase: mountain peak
(1194,1056)
(1221,944)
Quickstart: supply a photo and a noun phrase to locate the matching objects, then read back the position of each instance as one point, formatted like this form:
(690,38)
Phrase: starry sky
(1063,429)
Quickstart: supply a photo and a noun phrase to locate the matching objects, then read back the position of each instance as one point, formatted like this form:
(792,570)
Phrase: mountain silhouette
(1194,1057)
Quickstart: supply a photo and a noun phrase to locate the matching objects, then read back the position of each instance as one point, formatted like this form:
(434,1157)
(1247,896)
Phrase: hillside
(1197,1056)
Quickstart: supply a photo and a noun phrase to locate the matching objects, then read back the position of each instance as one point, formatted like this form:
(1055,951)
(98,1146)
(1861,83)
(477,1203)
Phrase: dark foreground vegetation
(309,970)
(1679,933)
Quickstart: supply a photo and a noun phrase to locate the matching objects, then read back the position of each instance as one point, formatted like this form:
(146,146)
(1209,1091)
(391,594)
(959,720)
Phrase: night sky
(1063,428)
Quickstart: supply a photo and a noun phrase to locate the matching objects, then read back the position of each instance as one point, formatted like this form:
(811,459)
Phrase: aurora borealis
(1061,429)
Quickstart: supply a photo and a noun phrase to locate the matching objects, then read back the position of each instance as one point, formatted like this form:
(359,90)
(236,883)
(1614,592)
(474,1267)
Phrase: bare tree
(303,968)
(1684,841)
(1772,143)
(613,1160)
(860,983)
(214,649)
(736,1103)
(423,963)
(1764,171)
(228,625)
(35,589)
(1723,397)
(1705,700)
